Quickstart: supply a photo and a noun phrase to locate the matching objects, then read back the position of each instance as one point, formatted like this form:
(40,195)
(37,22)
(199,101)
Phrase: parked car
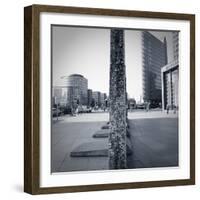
(155,105)
(67,110)
(140,106)
(84,109)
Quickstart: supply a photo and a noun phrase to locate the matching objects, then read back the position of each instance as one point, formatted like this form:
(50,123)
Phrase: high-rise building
(77,88)
(102,99)
(60,95)
(74,89)
(97,98)
(170,78)
(154,57)
(175,36)
(89,96)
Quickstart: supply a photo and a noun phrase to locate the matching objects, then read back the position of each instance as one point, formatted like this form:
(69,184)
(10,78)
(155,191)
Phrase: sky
(86,51)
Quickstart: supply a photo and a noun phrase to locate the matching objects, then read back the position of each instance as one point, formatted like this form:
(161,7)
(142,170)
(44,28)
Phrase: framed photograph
(109,99)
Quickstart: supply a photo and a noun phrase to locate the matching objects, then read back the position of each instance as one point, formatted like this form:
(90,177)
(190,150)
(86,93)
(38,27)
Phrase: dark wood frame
(32,106)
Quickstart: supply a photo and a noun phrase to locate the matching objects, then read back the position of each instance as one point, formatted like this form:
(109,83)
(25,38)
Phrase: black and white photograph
(109,99)
(114,98)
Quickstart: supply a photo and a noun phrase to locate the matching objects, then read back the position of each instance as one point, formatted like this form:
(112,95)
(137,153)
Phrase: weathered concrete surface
(118,125)
(105,127)
(88,149)
(96,148)
(66,136)
(104,133)
(154,142)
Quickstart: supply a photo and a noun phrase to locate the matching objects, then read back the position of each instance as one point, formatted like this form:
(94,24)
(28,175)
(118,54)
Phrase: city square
(152,145)
(121,116)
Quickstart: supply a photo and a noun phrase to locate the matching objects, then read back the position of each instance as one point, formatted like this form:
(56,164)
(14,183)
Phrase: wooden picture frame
(32,107)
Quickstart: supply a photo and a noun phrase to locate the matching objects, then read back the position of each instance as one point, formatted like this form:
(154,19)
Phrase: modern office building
(74,89)
(170,78)
(175,36)
(102,99)
(89,96)
(60,95)
(154,57)
(77,88)
(97,98)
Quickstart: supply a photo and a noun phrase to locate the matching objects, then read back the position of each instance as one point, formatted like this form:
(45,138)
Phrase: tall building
(97,98)
(175,36)
(74,89)
(170,78)
(60,95)
(77,88)
(89,96)
(154,57)
(102,99)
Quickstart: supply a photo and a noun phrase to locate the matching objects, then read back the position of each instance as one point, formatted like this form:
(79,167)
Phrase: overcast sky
(86,51)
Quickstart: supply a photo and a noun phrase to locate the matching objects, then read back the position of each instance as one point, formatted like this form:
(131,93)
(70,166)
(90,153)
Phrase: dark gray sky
(86,51)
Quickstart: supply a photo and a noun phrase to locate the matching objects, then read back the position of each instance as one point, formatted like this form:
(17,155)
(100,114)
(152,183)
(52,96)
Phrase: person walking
(167,108)
(147,106)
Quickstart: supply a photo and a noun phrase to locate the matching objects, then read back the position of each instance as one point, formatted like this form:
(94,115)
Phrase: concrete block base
(104,133)
(96,148)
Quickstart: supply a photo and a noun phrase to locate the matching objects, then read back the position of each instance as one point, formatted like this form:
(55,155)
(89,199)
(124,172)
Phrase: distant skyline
(86,51)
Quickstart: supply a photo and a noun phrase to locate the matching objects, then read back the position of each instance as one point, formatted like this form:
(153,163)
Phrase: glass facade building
(77,86)
(74,89)
(170,78)
(154,57)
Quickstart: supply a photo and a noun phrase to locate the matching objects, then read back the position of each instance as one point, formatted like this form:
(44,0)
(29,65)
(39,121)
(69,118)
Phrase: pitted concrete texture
(104,133)
(96,148)
(105,127)
(87,149)
(154,142)
(117,94)
(154,139)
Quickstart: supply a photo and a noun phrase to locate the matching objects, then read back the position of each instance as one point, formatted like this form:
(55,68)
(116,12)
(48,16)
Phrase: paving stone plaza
(115,137)
(153,136)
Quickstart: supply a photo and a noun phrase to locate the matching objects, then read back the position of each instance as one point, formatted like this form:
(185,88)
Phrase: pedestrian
(147,106)
(175,109)
(167,107)
(76,111)
(72,111)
